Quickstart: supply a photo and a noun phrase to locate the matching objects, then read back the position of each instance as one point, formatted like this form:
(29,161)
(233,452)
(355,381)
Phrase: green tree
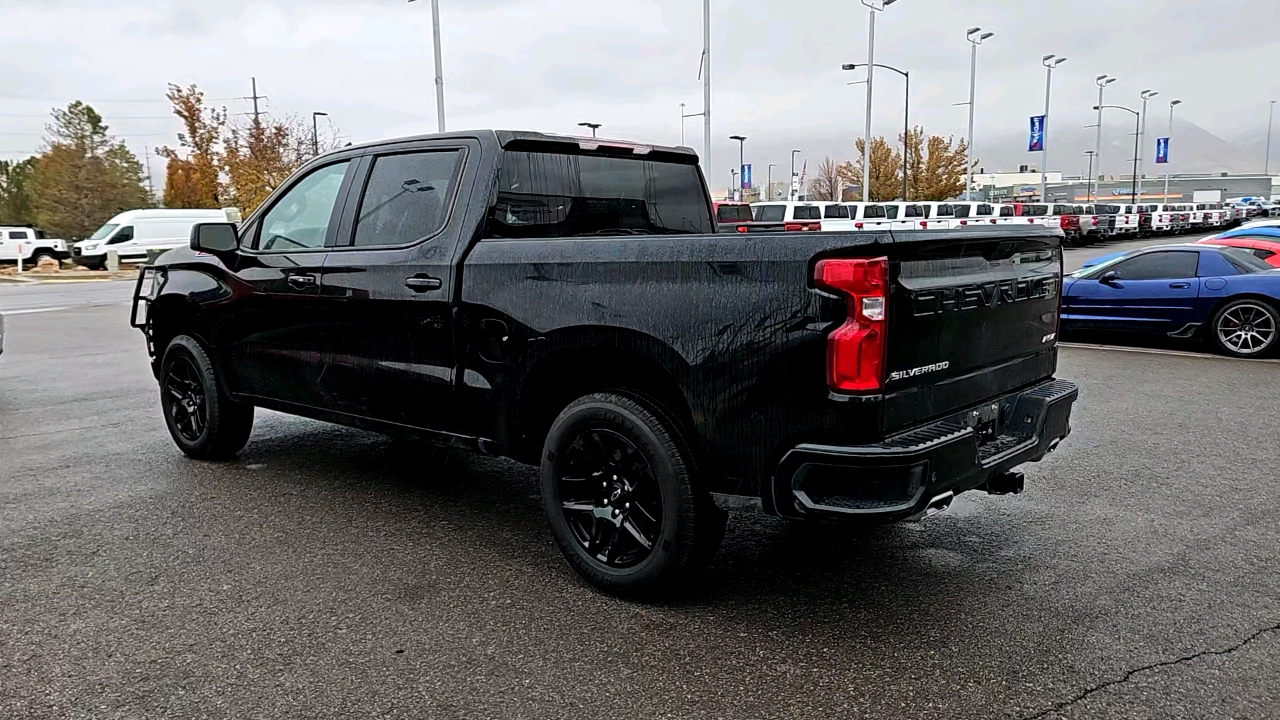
(16,206)
(84,176)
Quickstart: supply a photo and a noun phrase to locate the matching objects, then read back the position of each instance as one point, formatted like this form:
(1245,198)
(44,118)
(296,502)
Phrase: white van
(795,216)
(131,234)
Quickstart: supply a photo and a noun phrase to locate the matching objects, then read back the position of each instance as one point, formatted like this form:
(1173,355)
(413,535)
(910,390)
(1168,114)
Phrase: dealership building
(1025,187)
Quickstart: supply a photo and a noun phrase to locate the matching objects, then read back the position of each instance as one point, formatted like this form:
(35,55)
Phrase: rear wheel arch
(567,373)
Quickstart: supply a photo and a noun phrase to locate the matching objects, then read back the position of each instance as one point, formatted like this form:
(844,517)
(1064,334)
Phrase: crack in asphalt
(1165,663)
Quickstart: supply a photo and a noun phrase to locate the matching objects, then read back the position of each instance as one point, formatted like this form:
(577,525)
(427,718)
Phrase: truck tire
(41,254)
(623,497)
(1245,328)
(204,422)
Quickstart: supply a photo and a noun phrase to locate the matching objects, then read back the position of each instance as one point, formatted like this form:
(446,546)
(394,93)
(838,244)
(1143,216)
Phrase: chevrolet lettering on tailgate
(984,295)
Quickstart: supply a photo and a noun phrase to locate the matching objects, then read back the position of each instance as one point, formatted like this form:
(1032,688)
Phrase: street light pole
(435,36)
(681,124)
(1103,81)
(1137,135)
(593,126)
(1050,62)
(1172,104)
(1266,168)
(906,115)
(706,87)
(742,159)
(1145,95)
(315,133)
(791,189)
(733,184)
(874,6)
(1091,155)
(975,39)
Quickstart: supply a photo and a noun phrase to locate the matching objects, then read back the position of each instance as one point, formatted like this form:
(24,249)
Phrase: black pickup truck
(569,303)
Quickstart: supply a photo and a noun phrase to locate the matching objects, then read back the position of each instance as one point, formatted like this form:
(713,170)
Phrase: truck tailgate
(968,320)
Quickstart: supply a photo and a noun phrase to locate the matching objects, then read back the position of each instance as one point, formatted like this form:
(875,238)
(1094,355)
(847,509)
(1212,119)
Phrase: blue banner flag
(746,176)
(1162,151)
(1037,134)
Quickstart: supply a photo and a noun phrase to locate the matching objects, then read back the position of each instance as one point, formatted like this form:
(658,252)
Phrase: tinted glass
(405,198)
(946,211)
(1035,210)
(1108,209)
(891,211)
(961,211)
(914,211)
(300,220)
(1245,260)
(733,213)
(1167,265)
(552,195)
(1262,254)
(806,212)
(103,231)
(124,235)
(873,211)
(771,213)
(1006,211)
(836,212)
(19,235)
(983,210)
(1063,210)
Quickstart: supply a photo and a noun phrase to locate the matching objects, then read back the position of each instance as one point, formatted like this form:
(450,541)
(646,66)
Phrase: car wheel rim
(185,395)
(610,498)
(1247,329)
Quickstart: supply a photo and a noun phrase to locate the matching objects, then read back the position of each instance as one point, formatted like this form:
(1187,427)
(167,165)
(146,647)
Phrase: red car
(736,217)
(1267,248)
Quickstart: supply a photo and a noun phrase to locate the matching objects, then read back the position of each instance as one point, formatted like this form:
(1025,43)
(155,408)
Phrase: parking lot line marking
(1158,351)
(34,310)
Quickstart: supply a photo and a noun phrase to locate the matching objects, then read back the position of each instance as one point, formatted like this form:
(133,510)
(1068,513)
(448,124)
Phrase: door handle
(1180,285)
(423,284)
(302,281)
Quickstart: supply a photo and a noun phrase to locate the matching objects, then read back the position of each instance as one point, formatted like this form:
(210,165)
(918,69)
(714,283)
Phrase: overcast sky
(550,64)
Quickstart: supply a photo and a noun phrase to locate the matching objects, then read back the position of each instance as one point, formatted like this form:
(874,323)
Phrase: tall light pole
(315,132)
(874,6)
(742,159)
(1050,62)
(593,126)
(906,114)
(792,189)
(1266,167)
(1137,134)
(1142,133)
(975,36)
(1090,154)
(706,87)
(768,188)
(435,37)
(1172,104)
(1103,81)
(733,184)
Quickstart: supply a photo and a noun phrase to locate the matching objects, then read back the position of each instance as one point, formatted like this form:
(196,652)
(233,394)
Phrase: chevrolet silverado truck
(570,303)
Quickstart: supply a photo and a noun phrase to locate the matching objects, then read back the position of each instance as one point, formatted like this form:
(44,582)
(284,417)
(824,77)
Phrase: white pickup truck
(30,244)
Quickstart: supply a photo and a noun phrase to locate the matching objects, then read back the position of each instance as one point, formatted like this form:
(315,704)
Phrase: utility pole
(315,133)
(793,191)
(435,38)
(146,153)
(768,188)
(1266,168)
(706,87)
(255,97)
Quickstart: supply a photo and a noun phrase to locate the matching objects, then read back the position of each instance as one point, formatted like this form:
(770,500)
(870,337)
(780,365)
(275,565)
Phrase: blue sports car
(1178,291)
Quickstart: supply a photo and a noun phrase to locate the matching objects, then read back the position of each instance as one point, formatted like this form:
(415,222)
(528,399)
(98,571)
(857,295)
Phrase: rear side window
(1262,254)
(18,235)
(835,212)
(946,211)
(405,197)
(961,211)
(806,212)
(771,213)
(733,213)
(548,195)
(914,211)
(891,212)
(873,211)
(1006,211)
(1166,265)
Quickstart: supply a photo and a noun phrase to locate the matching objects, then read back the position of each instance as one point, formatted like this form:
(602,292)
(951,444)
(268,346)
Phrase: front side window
(836,212)
(1166,265)
(123,236)
(548,195)
(406,197)
(771,213)
(300,220)
(19,235)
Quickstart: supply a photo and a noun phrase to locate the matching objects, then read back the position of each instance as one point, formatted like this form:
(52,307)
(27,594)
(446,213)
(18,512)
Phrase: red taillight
(742,228)
(855,350)
(792,227)
(924,224)
(858,225)
(993,221)
(1031,220)
(964,222)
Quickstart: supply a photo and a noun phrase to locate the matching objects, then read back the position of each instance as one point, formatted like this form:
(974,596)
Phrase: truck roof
(526,139)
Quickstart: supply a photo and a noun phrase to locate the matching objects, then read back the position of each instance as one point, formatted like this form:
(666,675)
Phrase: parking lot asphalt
(335,573)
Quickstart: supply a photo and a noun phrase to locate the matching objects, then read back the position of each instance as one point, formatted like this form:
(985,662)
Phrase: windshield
(103,231)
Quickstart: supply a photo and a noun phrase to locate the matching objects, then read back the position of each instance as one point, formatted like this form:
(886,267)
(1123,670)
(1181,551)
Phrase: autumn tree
(193,180)
(886,170)
(84,176)
(937,166)
(16,202)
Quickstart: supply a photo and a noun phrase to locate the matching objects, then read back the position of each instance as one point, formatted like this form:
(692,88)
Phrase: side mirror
(1109,277)
(214,237)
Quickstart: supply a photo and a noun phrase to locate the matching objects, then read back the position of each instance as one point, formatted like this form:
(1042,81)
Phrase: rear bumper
(897,478)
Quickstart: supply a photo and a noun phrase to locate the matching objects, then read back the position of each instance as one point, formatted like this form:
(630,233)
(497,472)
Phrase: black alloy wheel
(609,497)
(203,421)
(624,497)
(1246,328)
(184,393)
